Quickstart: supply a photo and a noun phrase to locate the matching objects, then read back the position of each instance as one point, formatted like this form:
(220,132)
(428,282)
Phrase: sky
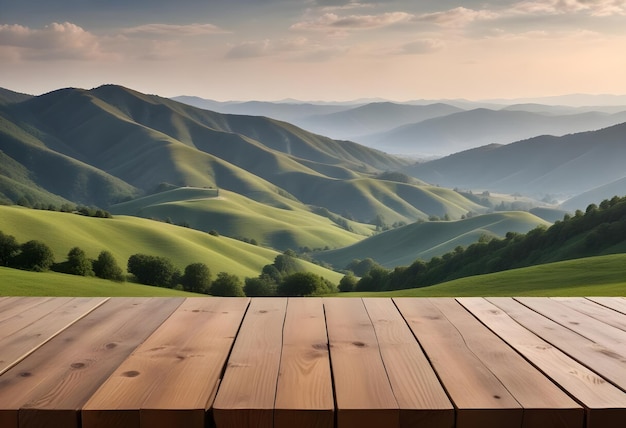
(331,50)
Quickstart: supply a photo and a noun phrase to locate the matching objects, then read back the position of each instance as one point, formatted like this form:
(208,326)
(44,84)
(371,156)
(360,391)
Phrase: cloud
(421,47)
(175,30)
(54,41)
(559,7)
(293,49)
(249,49)
(332,21)
(457,17)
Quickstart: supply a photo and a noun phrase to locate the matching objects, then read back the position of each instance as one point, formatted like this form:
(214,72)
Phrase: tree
(286,263)
(106,267)
(197,278)
(153,270)
(9,248)
(35,255)
(304,284)
(375,280)
(227,285)
(261,286)
(78,263)
(347,283)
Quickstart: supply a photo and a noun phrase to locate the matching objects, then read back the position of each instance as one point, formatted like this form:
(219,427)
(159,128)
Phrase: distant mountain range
(425,129)
(560,166)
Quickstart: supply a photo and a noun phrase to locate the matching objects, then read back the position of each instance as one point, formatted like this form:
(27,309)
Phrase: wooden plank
(479,396)
(18,307)
(421,398)
(175,371)
(610,337)
(362,389)
(304,394)
(606,404)
(594,310)
(49,387)
(615,303)
(607,363)
(23,334)
(544,404)
(248,389)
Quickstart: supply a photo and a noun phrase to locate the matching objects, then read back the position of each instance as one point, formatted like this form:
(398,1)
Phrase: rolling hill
(402,246)
(124,236)
(561,166)
(291,226)
(111,144)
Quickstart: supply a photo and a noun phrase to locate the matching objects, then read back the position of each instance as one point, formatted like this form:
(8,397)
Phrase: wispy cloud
(55,41)
(175,30)
(332,21)
(593,7)
(291,49)
(457,17)
(421,47)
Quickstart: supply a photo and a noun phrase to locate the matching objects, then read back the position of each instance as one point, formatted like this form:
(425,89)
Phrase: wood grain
(479,396)
(594,310)
(605,335)
(421,398)
(362,388)
(50,386)
(248,389)
(304,394)
(24,333)
(607,363)
(175,371)
(606,404)
(618,305)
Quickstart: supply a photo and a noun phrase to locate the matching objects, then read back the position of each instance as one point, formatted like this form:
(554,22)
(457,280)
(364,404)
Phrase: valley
(235,185)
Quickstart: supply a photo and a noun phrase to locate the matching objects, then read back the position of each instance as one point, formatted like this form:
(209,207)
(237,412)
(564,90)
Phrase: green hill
(124,236)
(290,226)
(400,247)
(592,276)
(111,144)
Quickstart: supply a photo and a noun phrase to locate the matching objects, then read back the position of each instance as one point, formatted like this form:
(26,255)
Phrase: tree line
(281,278)
(36,256)
(599,230)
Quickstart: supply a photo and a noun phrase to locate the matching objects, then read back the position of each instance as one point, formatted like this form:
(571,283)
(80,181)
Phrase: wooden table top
(312,362)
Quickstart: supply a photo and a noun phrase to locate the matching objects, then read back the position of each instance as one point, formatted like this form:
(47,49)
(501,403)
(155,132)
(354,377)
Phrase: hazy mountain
(594,196)
(288,110)
(372,118)
(478,127)
(546,165)
(574,100)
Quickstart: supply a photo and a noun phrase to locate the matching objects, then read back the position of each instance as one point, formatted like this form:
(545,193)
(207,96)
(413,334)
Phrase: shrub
(227,285)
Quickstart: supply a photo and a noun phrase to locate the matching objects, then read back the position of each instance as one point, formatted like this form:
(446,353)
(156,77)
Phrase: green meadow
(124,236)
(15,282)
(592,276)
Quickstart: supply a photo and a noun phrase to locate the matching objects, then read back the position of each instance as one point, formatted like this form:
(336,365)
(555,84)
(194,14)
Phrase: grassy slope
(401,247)
(124,236)
(15,282)
(290,226)
(593,276)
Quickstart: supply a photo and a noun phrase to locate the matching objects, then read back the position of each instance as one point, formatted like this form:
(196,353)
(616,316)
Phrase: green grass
(15,282)
(124,236)
(592,276)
